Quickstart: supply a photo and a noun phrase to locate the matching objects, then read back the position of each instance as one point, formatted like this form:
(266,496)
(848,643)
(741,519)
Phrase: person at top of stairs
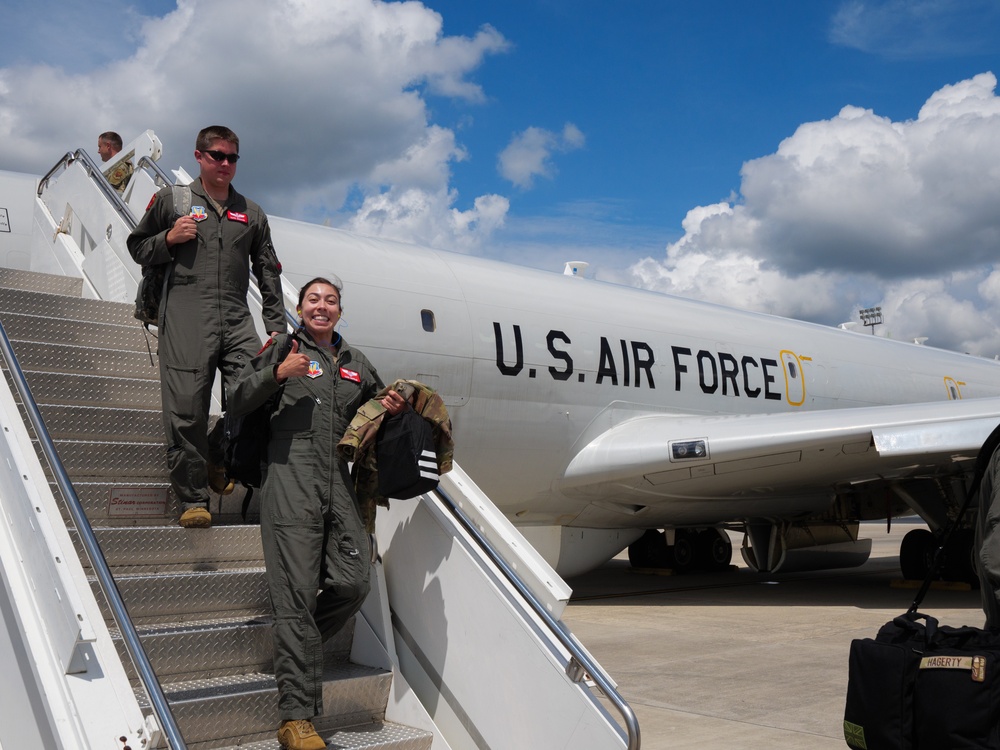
(204,322)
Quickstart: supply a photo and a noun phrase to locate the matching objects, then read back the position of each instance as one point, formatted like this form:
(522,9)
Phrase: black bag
(405,456)
(245,438)
(921,686)
(150,293)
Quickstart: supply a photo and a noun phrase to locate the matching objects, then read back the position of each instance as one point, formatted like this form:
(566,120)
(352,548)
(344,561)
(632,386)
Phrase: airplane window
(954,394)
(791,370)
(427,320)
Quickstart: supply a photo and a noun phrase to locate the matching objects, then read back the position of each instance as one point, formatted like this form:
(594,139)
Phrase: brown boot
(299,734)
(196,518)
(218,481)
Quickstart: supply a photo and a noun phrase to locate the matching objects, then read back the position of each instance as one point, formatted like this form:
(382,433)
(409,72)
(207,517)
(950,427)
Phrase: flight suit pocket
(180,390)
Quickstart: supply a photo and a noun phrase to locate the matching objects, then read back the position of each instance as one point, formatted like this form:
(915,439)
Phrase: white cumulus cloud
(860,210)
(529,153)
(328,98)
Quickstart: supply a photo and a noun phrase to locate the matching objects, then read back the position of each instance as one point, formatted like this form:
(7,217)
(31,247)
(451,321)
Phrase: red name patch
(350,375)
(151,202)
(237,216)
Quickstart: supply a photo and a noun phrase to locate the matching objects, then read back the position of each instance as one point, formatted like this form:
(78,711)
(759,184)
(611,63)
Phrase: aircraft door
(954,392)
(795,383)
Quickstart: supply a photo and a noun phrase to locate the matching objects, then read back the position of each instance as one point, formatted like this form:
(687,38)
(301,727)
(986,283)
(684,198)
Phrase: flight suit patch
(314,369)
(237,216)
(350,375)
(198,213)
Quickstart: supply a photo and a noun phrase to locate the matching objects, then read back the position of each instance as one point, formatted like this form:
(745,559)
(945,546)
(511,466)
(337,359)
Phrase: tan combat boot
(218,481)
(299,734)
(196,518)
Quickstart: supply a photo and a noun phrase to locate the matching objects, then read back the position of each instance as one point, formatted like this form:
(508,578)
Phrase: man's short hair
(216,133)
(112,138)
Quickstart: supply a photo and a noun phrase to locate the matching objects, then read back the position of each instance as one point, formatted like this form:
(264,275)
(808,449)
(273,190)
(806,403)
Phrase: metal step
(201,549)
(56,305)
(228,646)
(70,332)
(100,423)
(232,646)
(93,390)
(12,278)
(161,598)
(375,736)
(91,459)
(86,360)
(218,711)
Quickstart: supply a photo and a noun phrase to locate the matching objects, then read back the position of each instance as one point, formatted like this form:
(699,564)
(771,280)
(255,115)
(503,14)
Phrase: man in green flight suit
(205,324)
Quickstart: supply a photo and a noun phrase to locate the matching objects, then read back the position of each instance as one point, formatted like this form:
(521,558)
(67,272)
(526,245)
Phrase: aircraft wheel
(915,554)
(685,550)
(650,551)
(715,549)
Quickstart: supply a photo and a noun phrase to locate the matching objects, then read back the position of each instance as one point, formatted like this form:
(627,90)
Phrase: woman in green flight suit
(312,533)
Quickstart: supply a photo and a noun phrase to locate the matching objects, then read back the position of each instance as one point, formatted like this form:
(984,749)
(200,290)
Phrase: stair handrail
(162,176)
(581,664)
(95,173)
(131,638)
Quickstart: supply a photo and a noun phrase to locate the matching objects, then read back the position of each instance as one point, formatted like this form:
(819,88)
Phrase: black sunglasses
(223,156)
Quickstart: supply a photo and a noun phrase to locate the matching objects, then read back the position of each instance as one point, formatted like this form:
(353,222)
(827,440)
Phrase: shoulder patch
(263,348)
(151,202)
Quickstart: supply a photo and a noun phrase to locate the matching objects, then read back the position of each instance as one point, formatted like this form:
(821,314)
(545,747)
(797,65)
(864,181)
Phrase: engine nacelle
(790,546)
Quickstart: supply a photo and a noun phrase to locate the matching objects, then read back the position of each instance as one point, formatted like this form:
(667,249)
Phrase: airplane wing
(754,464)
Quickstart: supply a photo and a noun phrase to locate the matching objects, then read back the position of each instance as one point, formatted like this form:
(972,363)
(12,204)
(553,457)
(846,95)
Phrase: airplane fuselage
(533,365)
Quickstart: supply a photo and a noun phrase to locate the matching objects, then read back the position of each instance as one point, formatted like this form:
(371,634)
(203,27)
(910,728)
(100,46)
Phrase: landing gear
(706,550)
(650,551)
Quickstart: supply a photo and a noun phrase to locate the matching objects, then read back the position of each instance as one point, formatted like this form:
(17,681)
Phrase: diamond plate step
(93,390)
(74,332)
(210,649)
(217,711)
(11,278)
(172,545)
(376,736)
(100,423)
(56,305)
(85,360)
(85,458)
(165,597)
(216,648)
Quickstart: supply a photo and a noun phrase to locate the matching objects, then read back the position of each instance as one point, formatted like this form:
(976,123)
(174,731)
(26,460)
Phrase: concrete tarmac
(742,660)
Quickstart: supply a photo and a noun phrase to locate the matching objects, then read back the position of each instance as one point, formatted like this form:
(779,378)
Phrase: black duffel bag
(922,686)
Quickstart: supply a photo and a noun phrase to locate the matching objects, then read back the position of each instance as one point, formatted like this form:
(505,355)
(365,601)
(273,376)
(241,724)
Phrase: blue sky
(798,158)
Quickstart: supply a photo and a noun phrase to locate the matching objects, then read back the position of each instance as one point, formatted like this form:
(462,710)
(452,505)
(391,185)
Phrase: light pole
(871,316)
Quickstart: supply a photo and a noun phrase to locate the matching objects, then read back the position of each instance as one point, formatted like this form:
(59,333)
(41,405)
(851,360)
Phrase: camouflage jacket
(358,443)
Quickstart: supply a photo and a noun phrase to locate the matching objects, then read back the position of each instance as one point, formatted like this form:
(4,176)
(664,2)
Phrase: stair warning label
(4,220)
(132,502)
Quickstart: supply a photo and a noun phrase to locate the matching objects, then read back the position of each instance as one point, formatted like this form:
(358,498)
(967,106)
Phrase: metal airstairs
(460,644)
